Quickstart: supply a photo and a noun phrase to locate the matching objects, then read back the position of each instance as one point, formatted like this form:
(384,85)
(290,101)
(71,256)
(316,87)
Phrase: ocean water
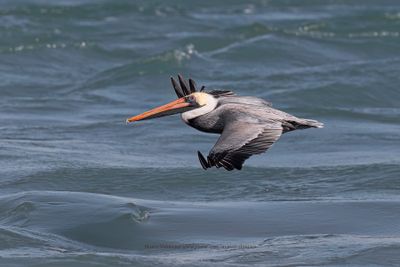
(78,187)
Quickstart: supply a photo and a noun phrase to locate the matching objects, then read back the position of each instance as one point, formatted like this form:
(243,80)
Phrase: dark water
(80,188)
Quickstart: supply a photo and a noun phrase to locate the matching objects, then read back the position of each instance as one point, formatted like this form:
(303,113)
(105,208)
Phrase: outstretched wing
(183,88)
(239,141)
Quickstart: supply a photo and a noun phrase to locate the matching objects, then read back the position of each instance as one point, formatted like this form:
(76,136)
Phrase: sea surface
(79,187)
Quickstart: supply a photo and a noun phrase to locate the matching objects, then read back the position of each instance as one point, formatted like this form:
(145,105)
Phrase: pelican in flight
(247,125)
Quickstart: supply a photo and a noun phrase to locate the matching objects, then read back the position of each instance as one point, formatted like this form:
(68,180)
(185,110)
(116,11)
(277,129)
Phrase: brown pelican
(248,125)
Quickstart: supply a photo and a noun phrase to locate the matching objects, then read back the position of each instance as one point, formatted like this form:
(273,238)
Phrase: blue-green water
(78,187)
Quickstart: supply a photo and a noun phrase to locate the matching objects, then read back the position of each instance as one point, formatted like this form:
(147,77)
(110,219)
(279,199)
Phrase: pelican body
(247,125)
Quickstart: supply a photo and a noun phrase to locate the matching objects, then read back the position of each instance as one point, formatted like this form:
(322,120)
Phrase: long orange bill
(178,106)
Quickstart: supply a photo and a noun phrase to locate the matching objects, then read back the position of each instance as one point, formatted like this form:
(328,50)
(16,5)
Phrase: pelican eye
(191,99)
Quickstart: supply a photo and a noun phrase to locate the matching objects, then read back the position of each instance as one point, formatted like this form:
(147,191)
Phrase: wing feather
(240,140)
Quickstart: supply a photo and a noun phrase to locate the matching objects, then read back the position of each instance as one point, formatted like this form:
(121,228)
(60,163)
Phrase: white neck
(210,105)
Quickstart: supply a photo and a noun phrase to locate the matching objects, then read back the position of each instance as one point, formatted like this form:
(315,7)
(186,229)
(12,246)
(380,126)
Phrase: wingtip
(183,84)
(202,160)
(192,85)
(178,90)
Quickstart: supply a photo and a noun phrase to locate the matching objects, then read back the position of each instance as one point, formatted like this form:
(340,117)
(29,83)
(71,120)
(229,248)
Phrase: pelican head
(190,106)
